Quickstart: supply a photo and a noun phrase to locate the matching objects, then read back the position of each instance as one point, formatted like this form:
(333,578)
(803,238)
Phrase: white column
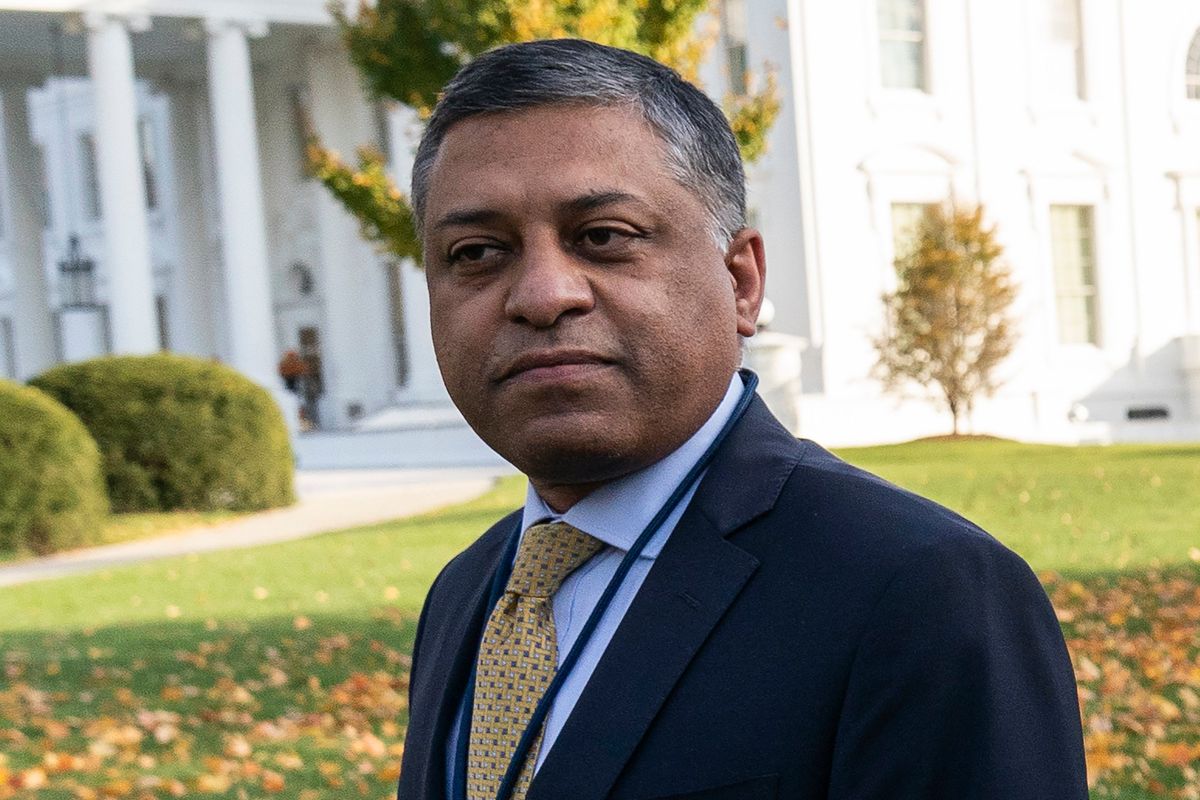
(194,282)
(239,184)
(122,193)
(1187,202)
(353,283)
(33,324)
(424,382)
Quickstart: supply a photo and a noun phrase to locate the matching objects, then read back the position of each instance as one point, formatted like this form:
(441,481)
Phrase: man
(794,627)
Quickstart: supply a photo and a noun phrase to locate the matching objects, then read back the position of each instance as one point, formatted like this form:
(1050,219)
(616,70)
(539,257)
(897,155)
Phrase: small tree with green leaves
(948,321)
(407,50)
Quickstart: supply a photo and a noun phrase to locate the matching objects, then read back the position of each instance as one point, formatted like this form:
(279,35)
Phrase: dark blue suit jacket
(809,631)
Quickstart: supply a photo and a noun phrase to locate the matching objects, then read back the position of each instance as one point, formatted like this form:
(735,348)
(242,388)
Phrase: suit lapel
(693,582)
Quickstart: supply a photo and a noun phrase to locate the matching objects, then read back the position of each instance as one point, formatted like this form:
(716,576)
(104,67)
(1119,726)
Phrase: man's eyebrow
(589,201)
(599,199)
(468,216)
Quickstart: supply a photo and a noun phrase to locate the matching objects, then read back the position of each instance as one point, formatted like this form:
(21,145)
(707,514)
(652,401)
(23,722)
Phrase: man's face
(585,322)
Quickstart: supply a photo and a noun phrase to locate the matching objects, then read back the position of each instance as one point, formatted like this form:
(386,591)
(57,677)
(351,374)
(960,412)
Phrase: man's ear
(747,264)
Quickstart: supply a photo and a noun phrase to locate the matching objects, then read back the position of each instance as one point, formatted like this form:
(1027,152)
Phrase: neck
(560,497)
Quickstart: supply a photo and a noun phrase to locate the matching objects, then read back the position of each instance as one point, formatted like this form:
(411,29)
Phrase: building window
(161,317)
(148,155)
(1073,249)
(1065,75)
(312,386)
(1192,75)
(906,225)
(8,350)
(302,127)
(42,200)
(383,135)
(902,44)
(90,176)
(3,188)
(3,193)
(396,318)
(733,34)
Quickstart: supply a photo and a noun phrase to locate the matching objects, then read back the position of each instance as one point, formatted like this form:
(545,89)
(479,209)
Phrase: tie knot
(548,554)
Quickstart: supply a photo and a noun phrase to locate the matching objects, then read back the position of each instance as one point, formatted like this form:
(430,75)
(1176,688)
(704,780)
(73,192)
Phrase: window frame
(1191,69)
(301,124)
(8,348)
(734,40)
(149,161)
(5,181)
(1089,292)
(897,36)
(1046,106)
(1078,46)
(923,205)
(91,204)
(1184,110)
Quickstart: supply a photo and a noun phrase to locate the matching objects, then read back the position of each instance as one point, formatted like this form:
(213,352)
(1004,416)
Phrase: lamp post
(82,321)
(77,275)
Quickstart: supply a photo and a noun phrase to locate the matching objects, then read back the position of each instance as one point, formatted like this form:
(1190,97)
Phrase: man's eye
(604,237)
(476,251)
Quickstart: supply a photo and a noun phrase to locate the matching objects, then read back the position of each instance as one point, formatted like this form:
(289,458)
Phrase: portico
(170,143)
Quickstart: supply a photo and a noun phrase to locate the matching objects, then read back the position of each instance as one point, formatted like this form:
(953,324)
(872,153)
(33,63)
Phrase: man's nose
(548,283)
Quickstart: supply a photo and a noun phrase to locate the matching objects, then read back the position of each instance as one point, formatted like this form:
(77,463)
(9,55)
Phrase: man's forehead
(620,117)
(611,138)
(564,155)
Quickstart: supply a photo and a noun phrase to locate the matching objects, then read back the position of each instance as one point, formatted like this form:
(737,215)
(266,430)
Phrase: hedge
(51,487)
(178,432)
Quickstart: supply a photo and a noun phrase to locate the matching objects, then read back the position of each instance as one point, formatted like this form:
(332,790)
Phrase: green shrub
(51,487)
(179,433)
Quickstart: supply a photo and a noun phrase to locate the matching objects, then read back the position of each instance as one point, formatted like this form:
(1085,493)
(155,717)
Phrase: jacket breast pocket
(764,787)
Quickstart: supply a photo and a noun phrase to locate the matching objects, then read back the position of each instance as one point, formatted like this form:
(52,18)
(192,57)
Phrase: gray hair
(702,153)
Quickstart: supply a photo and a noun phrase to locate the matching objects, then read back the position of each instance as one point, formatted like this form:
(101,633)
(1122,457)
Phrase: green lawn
(282,670)
(1074,510)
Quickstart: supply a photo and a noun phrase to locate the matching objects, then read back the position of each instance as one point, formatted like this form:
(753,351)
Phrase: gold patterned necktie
(519,656)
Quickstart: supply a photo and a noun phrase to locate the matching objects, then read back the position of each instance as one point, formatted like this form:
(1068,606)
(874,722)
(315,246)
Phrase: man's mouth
(553,365)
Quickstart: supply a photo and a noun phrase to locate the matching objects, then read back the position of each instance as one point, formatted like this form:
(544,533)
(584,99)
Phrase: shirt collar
(617,512)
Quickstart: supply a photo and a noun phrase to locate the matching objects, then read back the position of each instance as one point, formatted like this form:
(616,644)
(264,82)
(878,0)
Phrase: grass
(275,670)
(282,669)
(1075,510)
(293,706)
(338,573)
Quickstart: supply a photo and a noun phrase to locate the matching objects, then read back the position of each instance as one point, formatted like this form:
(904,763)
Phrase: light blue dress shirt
(616,514)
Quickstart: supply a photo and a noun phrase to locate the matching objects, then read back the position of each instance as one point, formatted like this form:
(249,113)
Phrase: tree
(948,323)
(407,50)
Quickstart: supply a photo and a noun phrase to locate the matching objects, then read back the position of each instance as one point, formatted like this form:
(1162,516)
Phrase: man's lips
(549,363)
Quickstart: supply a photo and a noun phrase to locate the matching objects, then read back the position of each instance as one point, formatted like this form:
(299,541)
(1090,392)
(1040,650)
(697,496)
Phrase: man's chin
(572,454)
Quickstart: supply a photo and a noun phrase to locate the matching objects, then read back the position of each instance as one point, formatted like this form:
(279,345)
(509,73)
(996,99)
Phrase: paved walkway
(329,500)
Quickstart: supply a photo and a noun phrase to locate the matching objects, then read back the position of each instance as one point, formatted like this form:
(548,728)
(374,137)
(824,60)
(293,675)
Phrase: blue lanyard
(500,580)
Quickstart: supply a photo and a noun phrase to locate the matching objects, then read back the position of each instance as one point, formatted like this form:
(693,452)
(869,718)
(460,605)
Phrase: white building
(166,135)
(1076,123)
